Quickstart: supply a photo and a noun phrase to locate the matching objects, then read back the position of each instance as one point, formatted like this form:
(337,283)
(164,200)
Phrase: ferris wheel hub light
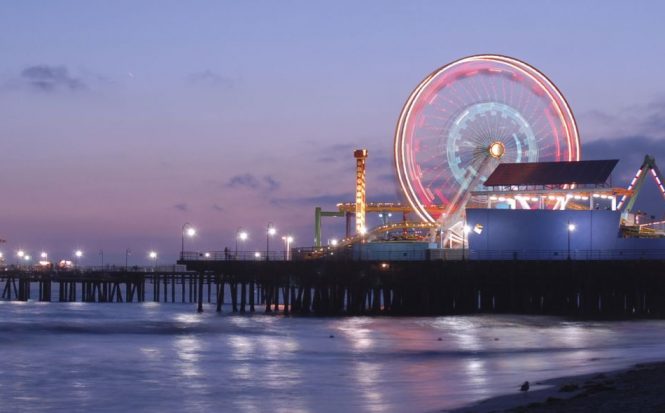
(497,149)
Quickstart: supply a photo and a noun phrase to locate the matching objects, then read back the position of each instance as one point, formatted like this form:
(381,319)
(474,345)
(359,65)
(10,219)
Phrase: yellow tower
(361,156)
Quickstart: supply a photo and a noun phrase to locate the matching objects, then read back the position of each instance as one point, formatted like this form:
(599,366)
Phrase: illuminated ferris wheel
(465,118)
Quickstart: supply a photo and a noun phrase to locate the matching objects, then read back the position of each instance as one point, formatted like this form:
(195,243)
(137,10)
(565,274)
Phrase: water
(165,357)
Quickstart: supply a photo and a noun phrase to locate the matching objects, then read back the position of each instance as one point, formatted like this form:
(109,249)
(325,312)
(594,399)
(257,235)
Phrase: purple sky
(122,120)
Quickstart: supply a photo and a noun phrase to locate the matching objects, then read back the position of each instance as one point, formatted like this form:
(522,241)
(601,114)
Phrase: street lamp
(465,233)
(19,254)
(190,231)
(287,252)
(77,254)
(127,252)
(43,255)
(333,242)
(363,232)
(257,255)
(242,236)
(269,233)
(153,256)
(571,228)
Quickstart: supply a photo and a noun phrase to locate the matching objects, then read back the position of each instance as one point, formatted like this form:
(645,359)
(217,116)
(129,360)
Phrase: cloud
(217,207)
(182,207)
(46,78)
(209,78)
(247,180)
(250,181)
(647,120)
(271,183)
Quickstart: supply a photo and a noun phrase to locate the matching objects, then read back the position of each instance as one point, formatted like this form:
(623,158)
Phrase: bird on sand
(525,386)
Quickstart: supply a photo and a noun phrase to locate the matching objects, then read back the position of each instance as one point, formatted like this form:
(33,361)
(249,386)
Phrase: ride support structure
(648,166)
(361,157)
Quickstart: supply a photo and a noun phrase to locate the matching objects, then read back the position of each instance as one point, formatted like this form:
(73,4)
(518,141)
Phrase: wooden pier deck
(603,289)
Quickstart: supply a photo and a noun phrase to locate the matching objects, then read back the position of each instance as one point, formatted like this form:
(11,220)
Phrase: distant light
(288,238)
(152,255)
(390,214)
(44,263)
(571,227)
(362,230)
(190,231)
(478,229)
(43,255)
(385,265)
(257,254)
(78,253)
(243,235)
(272,231)
(207,255)
(0,255)
(333,242)
(27,258)
(20,253)
(467,229)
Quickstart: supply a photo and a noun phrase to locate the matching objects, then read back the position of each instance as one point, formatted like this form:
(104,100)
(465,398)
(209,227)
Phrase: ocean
(167,358)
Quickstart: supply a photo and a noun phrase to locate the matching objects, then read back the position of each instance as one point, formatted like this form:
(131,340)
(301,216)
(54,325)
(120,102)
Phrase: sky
(122,121)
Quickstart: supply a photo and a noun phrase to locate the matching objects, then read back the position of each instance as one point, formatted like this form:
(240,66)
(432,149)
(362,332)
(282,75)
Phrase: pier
(590,289)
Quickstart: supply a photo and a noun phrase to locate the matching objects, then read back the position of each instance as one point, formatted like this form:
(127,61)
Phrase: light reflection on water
(165,357)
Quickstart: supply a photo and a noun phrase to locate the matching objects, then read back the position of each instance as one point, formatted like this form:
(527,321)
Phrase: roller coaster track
(373,234)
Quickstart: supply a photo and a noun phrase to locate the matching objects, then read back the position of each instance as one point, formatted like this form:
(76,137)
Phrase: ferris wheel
(466,117)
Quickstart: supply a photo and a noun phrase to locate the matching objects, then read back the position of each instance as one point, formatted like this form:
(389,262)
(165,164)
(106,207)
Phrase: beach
(637,389)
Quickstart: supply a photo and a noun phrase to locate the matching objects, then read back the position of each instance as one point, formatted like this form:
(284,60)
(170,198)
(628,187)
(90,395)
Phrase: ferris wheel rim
(564,115)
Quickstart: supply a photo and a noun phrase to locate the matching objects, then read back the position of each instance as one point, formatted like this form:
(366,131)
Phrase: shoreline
(635,389)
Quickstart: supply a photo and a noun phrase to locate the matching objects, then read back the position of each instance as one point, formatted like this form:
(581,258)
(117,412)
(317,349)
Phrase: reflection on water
(165,357)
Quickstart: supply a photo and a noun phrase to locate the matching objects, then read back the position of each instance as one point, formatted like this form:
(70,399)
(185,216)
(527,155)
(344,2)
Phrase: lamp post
(465,233)
(571,228)
(153,256)
(362,231)
(288,239)
(77,256)
(242,236)
(19,256)
(101,254)
(190,231)
(269,233)
(127,252)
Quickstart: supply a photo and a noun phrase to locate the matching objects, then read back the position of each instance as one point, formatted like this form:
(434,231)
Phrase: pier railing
(419,254)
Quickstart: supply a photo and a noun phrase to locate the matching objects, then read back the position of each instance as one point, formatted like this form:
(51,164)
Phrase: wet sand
(638,389)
